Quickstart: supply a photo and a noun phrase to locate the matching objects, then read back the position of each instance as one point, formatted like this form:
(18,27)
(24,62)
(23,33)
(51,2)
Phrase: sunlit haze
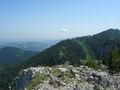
(56,19)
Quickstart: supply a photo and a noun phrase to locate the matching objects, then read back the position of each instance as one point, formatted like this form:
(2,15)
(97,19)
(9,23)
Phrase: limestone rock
(63,71)
(68,77)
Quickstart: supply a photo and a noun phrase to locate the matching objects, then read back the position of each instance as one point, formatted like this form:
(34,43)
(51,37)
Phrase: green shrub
(67,79)
(12,84)
(112,60)
(52,81)
(36,80)
(92,64)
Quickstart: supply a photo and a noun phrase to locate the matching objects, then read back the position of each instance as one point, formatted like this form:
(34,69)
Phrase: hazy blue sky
(56,19)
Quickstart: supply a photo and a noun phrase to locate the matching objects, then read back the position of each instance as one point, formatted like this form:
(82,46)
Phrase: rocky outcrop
(67,77)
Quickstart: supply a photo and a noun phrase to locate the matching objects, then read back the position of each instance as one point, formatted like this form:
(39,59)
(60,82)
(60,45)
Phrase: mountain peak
(112,30)
(110,33)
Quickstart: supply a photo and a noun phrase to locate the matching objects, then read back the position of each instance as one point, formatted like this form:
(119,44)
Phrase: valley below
(59,44)
(82,63)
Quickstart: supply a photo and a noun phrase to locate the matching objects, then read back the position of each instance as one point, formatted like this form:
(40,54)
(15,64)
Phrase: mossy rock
(67,79)
(36,80)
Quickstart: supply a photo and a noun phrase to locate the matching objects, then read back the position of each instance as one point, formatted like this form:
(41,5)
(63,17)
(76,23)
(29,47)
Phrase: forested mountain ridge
(10,58)
(97,41)
(13,55)
(74,50)
(29,46)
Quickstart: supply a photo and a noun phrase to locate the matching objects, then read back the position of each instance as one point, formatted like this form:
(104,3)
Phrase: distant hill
(30,46)
(74,50)
(12,55)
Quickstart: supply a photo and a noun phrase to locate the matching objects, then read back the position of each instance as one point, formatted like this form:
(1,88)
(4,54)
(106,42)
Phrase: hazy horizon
(29,20)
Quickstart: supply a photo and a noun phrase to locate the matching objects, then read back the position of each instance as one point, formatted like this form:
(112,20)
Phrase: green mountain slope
(30,46)
(97,41)
(12,55)
(74,50)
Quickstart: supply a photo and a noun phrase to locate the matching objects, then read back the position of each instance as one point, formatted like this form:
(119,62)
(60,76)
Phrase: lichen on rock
(68,77)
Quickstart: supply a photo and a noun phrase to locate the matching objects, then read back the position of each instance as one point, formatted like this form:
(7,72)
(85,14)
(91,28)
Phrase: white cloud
(65,30)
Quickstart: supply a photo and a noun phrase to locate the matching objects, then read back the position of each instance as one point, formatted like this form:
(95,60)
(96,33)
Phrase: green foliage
(55,72)
(13,55)
(97,41)
(112,60)
(52,82)
(36,80)
(105,89)
(7,73)
(67,79)
(88,52)
(12,84)
(92,64)
(68,50)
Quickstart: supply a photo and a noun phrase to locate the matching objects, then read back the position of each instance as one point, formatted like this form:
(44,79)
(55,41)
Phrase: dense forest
(75,50)
(13,55)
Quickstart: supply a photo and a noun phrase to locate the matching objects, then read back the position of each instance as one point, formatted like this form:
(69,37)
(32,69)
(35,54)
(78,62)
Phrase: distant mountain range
(13,55)
(30,46)
(74,50)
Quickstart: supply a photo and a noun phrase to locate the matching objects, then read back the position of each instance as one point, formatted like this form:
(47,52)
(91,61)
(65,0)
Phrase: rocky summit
(68,77)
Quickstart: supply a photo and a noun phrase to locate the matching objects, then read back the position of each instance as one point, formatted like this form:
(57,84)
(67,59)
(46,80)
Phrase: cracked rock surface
(68,77)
